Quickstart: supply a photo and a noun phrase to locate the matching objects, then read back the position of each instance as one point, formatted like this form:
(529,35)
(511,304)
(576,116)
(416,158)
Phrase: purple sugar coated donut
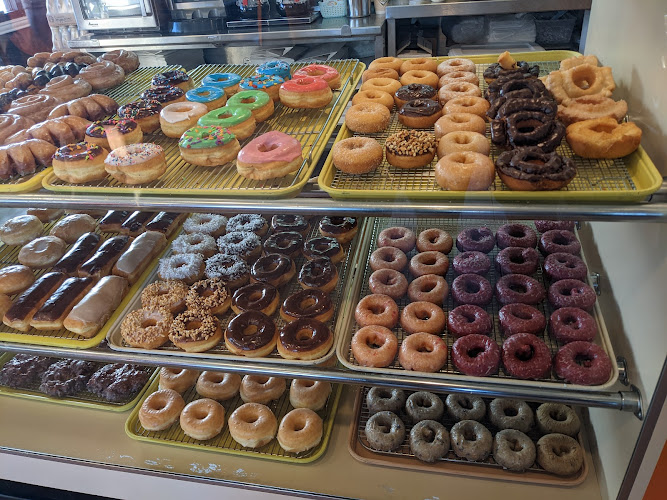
(526,356)
(472,289)
(521,318)
(582,363)
(513,288)
(559,240)
(517,260)
(571,293)
(571,324)
(561,265)
(476,355)
(468,319)
(516,235)
(547,225)
(471,262)
(477,239)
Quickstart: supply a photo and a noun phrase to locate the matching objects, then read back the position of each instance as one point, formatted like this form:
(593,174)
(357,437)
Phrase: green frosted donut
(205,137)
(227,116)
(250,99)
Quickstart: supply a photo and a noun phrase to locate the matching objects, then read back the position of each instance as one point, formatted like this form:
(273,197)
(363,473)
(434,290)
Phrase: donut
(202,419)
(526,356)
(279,68)
(376,309)
(15,279)
(388,282)
(177,379)
(46,214)
(231,269)
(455,64)
(202,244)
(465,171)
(145,113)
(388,85)
(252,425)
(543,226)
(341,228)
(306,92)
(457,89)
(520,288)
(458,76)
(511,414)
(418,63)
(467,104)
(164,94)
(420,113)
(80,162)
(423,317)
(209,146)
(262,390)
(320,274)
(571,293)
(160,410)
(251,334)
(312,394)
(379,72)
(517,260)
(520,318)
(423,352)
(257,102)
(327,73)
(476,355)
(269,156)
(288,243)
(591,107)
(559,241)
(429,441)
(430,262)
(410,148)
(513,450)
(146,328)
(424,405)
(582,363)
(229,82)
(414,91)
(178,117)
(266,83)
(570,324)
(209,96)
(515,235)
(394,63)
(274,268)
(260,297)
(367,118)
(384,431)
(457,122)
(471,440)
(300,430)
(380,399)
(374,346)
(304,338)
(561,265)
(472,289)
(463,140)
(533,169)
(167,294)
(183,267)
(42,252)
(21,230)
(195,331)
(308,303)
(290,223)
(374,96)
(465,407)
(471,262)
(211,224)
(136,163)
(476,239)
(121,132)
(428,288)
(559,454)
(244,244)
(468,319)
(218,385)
(238,120)
(434,239)
(177,78)
(209,295)
(557,418)
(388,258)
(324,246)
(399,237)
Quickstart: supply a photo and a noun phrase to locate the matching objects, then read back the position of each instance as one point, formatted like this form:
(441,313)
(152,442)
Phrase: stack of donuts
(511,290)
(510,433)
(247,405)
(249,265)
(73,277)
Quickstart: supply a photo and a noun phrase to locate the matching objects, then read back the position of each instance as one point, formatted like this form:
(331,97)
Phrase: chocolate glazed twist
(532,164)
(527,127)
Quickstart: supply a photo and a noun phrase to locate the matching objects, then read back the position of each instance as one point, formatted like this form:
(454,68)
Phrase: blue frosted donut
(278,68)
(221,80)
(258,82)
(204,94)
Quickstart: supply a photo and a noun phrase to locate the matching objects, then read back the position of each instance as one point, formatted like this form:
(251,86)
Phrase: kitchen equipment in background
(359,8)
(191,17)
(121,15)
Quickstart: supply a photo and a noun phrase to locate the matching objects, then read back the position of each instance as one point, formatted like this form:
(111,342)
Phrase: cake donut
(229,82)
(384,431)
(326,73)
(471,440)
(279,68)
(465,407)
(209,295)
(166,294)
(208,146)
(561,265)
(423,352)
(388,258)
(244,244)
(557,418)
(388,282)
(516,235)
(146,328)
(455,64)
(429,441)
(211,224)
(468,319)
(259,103)
(472,289)
(463,140)
(517,260)
(375,346)
(595,367)
(195,331)
(476,355)
(526,356)
(543,226)
(211,97)
(183,267)
(513,450)
(571,293)
(237,120)
(399,237)
(434,239)
(559,241)
(423,317)
(430,262)
(424,405)
(136,163)
(471,263)
(376,309)
(176,78)
(513,288)
(385,399)
(428,288)
(511,414)
(476,239)
(520,318)
(559,454)
(265,83)
(357,155)
(570,324)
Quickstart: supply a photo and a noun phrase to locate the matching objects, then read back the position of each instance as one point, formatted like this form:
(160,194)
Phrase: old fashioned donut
(559,454)
(561,265)
(582,363)
(471,262)
(177,379)
(455,64)
(374,96)
(428,288)
(453,90)
(557,418)
(467,104)
(511,414)
(472,289)
(357,155)
(429,440)
(218,385)
(430,262)
(468,319)
(312,394)
(570,324)
(513,450)
(419,77)
(571,293)
(385,399)
(374,346)
(424,405)
(455,122)
(376,309)
(516,235)
(471,440)
(465,407)
(476,355)
(423,317)
(463,140)
(526,356)
(517,260)
(603,138)
(388,258)
(533,169)
(384,431)
(465,171)
(202,419)
(423,352)
(252,425)
(581,80)
(434,239)
(513,288)
(160,410)
(367,118)
(399,237)
(559,241)
(300,430)
(476,239)
(388,282)
(520,318)
(591,107)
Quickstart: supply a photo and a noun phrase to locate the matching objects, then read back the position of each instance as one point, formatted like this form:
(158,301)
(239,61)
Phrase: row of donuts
(87,275)
(419,417)
(252,424)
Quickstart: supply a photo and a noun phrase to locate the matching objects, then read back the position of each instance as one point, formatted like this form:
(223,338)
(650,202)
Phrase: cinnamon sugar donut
(419,63)
(357,155)
(387,62)
(388,85)
(463,140)
(453,122)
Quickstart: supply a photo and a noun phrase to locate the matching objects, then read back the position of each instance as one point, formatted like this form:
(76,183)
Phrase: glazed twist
(59,131)
(36,107)
(65,88)
(126,59)
(103,75)
(75,56)
(93,107)
(11,124)
(23,158)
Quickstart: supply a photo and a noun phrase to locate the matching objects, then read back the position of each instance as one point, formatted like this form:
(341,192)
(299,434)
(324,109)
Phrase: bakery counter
(88,451)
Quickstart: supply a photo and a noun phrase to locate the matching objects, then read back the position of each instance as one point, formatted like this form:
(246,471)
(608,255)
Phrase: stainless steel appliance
(196,9)
(120,15)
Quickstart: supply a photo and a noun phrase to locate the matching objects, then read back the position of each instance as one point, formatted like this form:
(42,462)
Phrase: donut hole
(304,334)
(249,100)
(250,330)
(264,148)
(471,287)
(518,288)
(510,411)
(517,259)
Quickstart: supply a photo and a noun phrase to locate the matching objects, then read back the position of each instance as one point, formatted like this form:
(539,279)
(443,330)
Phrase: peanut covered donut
(431,262)
(388,258)
(374,345)
(423,352)
(521,318)
(388,282)
(571,293)
(468,319)
(525,356)
(513,288)
(167,294)
(423,317)
(471,262)
(435,239)
(428,288)
(146,328)
(376,309)
(570,324)
(399,237)
(472,289)
(476,355)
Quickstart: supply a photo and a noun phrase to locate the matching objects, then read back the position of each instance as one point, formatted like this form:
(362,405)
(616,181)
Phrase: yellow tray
(31,182)
(63,337)
(628,179)
(83,400)
(311,127)
(224,443)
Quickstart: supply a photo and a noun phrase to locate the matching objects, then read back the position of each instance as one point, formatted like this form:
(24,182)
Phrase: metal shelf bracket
(622,370)
(632,401)
(595,280)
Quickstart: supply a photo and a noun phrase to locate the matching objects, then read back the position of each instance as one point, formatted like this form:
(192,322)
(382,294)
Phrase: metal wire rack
(592,175)
(224,443)
(453,227)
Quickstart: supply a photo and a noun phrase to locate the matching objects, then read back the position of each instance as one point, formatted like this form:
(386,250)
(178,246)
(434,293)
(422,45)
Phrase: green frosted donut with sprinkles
(227,116)
(251,99)
(205,137)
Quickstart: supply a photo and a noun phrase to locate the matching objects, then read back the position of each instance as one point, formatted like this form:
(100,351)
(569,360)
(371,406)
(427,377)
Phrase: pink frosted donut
(326,73)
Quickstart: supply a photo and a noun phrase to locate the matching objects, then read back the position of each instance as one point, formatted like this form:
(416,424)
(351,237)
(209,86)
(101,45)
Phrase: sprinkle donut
(476,355)
(595,367)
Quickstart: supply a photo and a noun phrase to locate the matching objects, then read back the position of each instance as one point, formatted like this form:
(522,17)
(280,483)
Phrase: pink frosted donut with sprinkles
(326,73)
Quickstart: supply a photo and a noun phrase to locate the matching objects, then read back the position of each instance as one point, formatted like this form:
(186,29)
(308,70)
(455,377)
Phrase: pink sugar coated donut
(570,324)
(583,363)
(525,356)
(476,355)
(571,293)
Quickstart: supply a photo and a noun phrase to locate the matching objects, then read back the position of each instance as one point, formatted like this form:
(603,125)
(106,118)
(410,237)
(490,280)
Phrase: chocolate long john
(20,314)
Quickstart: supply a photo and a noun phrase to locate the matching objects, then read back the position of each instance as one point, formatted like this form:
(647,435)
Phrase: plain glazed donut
(379,72)
(520,318)
(177,379)
(374,96)
(471,262)
(463,140)
(582,363)
(428,288)
(384,431)
(374,346)
(458,76)
(419,77)
(300,430)
(259,389)
(431,262)
(559,454)
(455,122)
(467,104)
(455,64)
(160,410)
(453,90)
(15,279)
(468,319)
(418,63)
(311,394)
(203,419)
(513,450)
(423,352)
(435,239)
(557,418)
(388,282)
(472,289)
(376,309)
(526,356)
(388,85)
(520,288)
(571,293)
(388,258)
(429,441)
(394,63)
(423,317)
(21,230)
(570,324)
(381,399)
(252,425)
(399,237)
(471,440)
(367,118)
(476,355)
(465,171)
(424,405)
(465,407)
(218,385)
(511,414)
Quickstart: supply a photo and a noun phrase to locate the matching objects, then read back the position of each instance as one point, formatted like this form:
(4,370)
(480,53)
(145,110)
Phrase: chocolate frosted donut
(420,108)
(337,225)
(322,247)
(520,288)
(271,267)
(415,91)
(560,266)
(516,235)
(317,273)
(476,355)
(543,226)
(254,297)
(528,128)
(531,168)
(521,318)
(424,405)
(472,289)
(582,363)
(471,263)
(517,260)
(263,331)
(571,324)
(380,399)
(571,293)
(559,240)
(516,89)
(388,258)
(523,69)
(302,336)
(289,223)
(525,356)
(287,243)
(308,303)
(477,239)
(468,319)
(385,431)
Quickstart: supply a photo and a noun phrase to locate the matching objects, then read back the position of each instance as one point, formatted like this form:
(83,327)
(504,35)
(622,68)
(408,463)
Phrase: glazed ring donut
(463,140)
(468,319)
(559,454)
(570,324)
(385,431)
(435,239)
(511,414)
(399,237)
(160,410)
(467,104)
(388,282)
(595,367)
(476,355)
(388,258)
(465,407)
(472,289)
(357,155)
(475,239)
(177,379)
(458,76)
(465,171)
(202,419)
(259,389)
(513,450)
(520,288)
(471,440)
(526,356)
(423,352)
(312,394)
(300,430)
(376,309)
(429,441)
(471,262)
(424,405)
(252,425)
(559,241)
(521,318)
(430,262)
(419,77)
(218,385)
(571,293)
(367,118)
(381,399)
(557,418)
(423,317)
(429,288)
(21,230)
(374,96)
(454,122)
(374,345)
(457,89)
(388,85)
(419,63)
(379,72)
(455,64)
(42,252)
(394,63)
